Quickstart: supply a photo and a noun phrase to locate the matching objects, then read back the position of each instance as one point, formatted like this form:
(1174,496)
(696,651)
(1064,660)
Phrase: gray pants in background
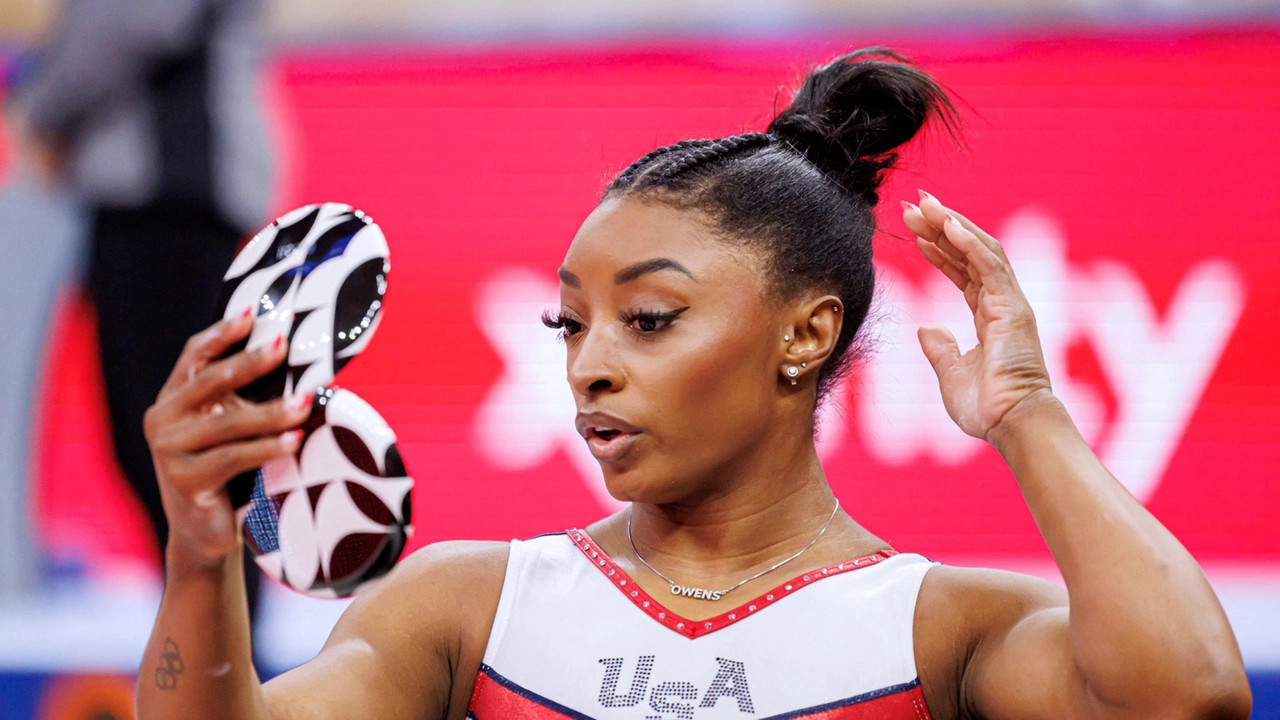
(42,246)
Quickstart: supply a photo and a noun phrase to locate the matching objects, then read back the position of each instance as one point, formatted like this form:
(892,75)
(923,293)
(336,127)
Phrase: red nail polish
(291,440)
(276,345)
(246,312)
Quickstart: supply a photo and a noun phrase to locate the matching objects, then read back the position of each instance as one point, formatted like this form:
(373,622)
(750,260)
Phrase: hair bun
(850,115)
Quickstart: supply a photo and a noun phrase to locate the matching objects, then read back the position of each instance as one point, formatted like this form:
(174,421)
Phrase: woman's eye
(647,323)
(568,327)
(651,322)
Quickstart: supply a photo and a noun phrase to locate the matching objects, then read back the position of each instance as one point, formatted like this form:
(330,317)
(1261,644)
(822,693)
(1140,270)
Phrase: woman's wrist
(1027,423)
(183,563)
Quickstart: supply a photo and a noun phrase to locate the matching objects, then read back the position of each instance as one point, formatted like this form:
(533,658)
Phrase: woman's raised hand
(981,386)
(202,434)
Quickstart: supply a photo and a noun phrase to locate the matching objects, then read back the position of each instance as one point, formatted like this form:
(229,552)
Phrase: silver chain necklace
(704,594)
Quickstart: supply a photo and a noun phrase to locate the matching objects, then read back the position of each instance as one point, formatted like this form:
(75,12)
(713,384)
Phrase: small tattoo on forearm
(171,666)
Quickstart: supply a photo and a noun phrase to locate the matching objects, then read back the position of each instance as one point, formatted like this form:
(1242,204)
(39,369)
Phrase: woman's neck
(768,514)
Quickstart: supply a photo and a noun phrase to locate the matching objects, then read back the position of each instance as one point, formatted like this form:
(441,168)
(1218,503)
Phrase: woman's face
(669,331)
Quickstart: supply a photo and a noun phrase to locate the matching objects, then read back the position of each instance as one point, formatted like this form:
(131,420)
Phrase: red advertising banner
(1133,180)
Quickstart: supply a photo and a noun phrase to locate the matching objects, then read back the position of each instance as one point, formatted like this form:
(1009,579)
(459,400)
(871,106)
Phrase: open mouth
(610,438)
(608,444)
(605,433)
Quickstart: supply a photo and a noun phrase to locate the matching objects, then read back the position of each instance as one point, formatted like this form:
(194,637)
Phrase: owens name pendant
(696,593)
(703,594)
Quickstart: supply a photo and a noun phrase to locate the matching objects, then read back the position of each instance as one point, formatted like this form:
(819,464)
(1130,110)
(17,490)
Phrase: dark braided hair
(803,193)
(682,158)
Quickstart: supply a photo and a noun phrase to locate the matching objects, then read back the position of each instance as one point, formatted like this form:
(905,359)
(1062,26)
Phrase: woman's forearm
(1143,615)
(199,661)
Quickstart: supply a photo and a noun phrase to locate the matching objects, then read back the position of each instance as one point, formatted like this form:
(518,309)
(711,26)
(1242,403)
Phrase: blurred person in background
(41,241)
(149,112)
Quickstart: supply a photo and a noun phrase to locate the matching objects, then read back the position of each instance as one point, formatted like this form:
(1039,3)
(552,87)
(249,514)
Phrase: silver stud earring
(792,372)
(786,338)
(804,364)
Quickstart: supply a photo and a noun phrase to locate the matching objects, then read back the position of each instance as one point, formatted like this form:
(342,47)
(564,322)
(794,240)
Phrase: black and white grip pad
(337,514)
(317,276)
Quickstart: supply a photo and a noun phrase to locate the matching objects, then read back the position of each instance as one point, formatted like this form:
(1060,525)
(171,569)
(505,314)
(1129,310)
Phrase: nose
(593,364)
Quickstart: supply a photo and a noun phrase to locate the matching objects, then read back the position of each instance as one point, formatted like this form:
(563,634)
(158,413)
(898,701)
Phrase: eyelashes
(557,321)
(650,323)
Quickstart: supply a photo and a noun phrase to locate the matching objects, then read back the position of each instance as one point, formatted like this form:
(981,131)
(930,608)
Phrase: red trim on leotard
(697,628)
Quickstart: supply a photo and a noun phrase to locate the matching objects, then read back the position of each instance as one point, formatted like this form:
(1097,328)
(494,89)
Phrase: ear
(813,328)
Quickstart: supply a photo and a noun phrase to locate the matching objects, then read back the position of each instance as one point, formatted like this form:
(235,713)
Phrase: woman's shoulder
(456,582)
(985,595)
(473,557)
(446,589)
(464,575)
(480,566)
(959,612)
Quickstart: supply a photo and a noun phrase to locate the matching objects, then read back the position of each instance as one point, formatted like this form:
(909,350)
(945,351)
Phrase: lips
(608,437)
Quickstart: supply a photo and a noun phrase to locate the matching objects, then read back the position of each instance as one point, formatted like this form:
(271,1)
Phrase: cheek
(715,387)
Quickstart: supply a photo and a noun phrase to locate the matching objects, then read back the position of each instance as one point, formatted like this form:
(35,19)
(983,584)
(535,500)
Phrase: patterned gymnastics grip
(338,513)
(317,276)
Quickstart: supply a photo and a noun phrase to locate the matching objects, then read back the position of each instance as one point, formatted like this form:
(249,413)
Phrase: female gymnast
(708,304)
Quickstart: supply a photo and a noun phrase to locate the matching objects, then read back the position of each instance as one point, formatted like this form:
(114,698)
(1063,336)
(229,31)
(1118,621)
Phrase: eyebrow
(631,272)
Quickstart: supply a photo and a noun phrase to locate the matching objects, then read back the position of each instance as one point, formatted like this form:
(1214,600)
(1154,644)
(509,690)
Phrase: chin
(626,487)
(642,483)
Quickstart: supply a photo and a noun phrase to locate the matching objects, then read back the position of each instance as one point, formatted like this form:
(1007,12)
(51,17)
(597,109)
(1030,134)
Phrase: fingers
(939,259)
(988,265)
(232,422)
(212,468)
(927,222)
(957,270)
(935,212)
(939,347)
(980,255)
(218,379)
(205,346)
(992,244)
(913,217)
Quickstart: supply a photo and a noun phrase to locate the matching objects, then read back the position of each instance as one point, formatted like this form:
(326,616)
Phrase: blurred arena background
(1126,151)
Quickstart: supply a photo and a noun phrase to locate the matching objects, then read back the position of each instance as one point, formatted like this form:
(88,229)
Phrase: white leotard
(575,637)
